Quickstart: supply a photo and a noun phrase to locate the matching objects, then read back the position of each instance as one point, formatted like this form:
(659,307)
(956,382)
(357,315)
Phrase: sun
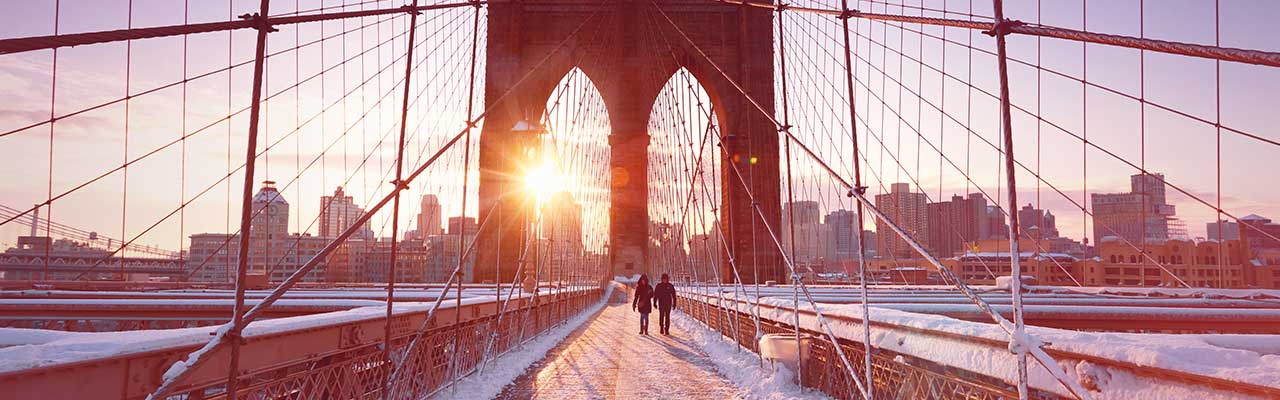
(544,181)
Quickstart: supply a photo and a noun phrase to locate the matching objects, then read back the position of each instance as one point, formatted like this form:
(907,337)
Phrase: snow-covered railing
(1213,311)
(960,359)
(335,355)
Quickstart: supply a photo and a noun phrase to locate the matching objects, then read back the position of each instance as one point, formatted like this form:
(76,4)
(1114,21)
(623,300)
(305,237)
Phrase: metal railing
(893,375)
(898,375)
(338,361)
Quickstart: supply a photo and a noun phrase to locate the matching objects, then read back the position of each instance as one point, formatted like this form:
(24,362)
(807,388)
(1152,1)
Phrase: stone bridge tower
(629,50)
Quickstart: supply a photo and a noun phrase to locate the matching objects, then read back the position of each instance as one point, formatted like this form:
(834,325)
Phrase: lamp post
(528,137)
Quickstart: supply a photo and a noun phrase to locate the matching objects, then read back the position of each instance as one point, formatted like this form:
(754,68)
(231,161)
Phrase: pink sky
(91,143)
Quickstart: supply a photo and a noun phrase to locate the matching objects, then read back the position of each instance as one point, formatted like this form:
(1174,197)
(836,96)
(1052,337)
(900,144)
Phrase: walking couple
(662,296)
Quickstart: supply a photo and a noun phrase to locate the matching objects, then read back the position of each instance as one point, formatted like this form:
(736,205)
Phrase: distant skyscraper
(838,246)
(956,222)
(806,212)
(270,213)
(908,211)
(562,219)
(338,212)
(562,227)
(996,226)
(1034,217)
(705,252)
(272,249)
(1222,230)
(1130,216)
(808,231)
(666,244)
(457,225)
(429,216)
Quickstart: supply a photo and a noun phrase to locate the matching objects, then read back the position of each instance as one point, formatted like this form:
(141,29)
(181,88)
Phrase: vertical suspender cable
(246,209)
(182,169)
(53,96)
(1018,340)
(399,188)
(124,190)
(1217,126)
(466,169)
(858,186)
(791,209)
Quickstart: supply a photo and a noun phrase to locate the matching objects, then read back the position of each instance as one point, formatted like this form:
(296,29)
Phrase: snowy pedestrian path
(607,358)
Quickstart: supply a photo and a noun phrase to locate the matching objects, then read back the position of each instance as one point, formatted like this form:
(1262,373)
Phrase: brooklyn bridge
(876,199)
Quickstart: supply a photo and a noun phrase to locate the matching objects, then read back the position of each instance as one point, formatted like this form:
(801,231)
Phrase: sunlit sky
(92,143)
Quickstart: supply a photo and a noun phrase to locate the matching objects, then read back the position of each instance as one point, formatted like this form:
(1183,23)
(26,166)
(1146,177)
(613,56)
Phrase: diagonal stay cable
(261,153)
(180,139)
(182,368)
(1027,340)
(769,229)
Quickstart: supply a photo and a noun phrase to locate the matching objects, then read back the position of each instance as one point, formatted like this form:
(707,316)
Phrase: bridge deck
(607,358)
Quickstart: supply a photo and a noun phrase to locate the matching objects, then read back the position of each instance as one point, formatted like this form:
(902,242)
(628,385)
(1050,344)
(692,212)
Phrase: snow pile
(742,367)
(509,366)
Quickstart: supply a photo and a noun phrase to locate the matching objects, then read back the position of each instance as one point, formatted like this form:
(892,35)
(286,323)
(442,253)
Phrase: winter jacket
(644,297)
(664,296)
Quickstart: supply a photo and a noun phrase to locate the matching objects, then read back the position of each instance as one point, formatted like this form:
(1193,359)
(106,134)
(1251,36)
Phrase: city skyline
(344,209)
(1109,122)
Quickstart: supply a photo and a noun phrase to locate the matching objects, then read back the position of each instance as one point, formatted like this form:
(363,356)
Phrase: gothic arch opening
(569,181)
(684,186)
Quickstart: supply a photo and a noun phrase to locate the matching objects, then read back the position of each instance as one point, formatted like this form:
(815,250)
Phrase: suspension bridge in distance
(275,178)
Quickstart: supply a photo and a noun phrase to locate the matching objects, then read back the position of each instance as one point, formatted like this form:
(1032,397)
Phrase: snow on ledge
(34,348)
(1253,359)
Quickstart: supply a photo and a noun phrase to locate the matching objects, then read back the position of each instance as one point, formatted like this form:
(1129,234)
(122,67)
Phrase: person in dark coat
(644,296)
(664,297)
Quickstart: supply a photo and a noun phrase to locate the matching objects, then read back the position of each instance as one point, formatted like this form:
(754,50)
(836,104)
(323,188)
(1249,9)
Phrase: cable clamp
(847,13)
(1003,28)
(234,335)
(860,190)
(261,23)
(476,3)
(784,128)
(400,185)
(411,9)
(782,7)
